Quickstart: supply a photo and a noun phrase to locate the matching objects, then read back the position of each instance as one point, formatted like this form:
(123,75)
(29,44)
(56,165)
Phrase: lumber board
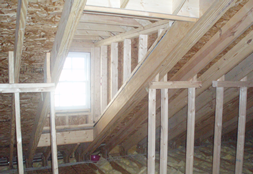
(143,47)
(71,14)
(103,76)
(175,85)
(232,84)
(114,69)
(96,105)
(127,60)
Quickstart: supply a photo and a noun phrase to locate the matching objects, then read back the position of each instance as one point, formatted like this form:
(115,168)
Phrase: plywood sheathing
(224,19)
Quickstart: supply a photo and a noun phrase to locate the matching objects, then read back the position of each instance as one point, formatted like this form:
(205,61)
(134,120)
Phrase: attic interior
(126,86)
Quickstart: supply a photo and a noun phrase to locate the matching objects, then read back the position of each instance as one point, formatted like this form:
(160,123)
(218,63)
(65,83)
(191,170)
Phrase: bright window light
(73,88)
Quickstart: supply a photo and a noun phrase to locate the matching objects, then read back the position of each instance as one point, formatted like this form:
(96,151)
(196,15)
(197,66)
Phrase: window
(73,89)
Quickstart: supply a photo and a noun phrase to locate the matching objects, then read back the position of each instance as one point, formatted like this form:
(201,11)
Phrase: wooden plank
(93,33)
(143,47)
(114,69)
(218,128)
(175,85)
(45,156)
(117,167)
(109,20)
(96,105)
(184,36)
(151,130)
(232,84)
(164,129)
(190,130)
(69,137)
(123,3)
(19,134)
(233,29)
(85,37)
(12,132)
(135,14)
(72,11)
(19,35)
(127,60)
(135,33)
(103,76)
(68,152)
(99,27)
(241,129)
(47,73)
(32,87)
(53,135)
(177,5)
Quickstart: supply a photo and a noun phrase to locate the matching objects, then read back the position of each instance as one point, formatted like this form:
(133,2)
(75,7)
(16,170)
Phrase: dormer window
(73,89)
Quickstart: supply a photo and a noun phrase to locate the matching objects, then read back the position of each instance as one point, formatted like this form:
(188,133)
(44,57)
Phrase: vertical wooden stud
(92,85)
(218,128)
(103,80)
(11,67)
(164,129)
(143,47)
(241,129)
(114,69)
(47,74)
(190,130)
(151,130)
(19,134)
(127,60)
(97,110)
(53,134)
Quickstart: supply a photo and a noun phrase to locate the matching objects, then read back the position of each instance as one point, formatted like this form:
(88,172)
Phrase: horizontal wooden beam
(27,87)
(175,85)
(232,84)
(135,33)
(99,27)
(64,138)
(135,13)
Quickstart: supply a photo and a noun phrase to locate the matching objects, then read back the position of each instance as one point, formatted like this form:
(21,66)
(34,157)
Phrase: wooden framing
(114,69)
(218,128)
(103,78)
(127,60)
(72,12)
(69,137)
(45,156)
(135,13)
(232,84)
(175,84)
(97,63)
(143,47)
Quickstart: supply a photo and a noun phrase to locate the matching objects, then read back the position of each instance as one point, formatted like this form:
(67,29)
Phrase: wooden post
(241,129)
(151,130)
(190,130)
(103,80)
(127,60)
(114,69)
(19,134)
(164,128)
(53,135)
(143,47)
(96,105)
(218,127)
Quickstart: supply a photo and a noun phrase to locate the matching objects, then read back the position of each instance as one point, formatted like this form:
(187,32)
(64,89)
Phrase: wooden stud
(53,135)
(218,128)
(190,130)
(143,47)
(96,105)
(164,129)
(151,130)
(11,67)
(175,85)
(19,134)
(47,73)
(241,129)
(127,60)
(123,3)
(114,69)
(103,80)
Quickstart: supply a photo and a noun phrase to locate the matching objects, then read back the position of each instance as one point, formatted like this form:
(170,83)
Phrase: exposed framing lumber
(135,33)
(114,69)
(120,106)
(232,84)
(190,130)
(218,128)
(135,14)
(72,11)
(99,27)
(117,167)
(96,71)
(127,60)
(178,5)
(151,130)
(143,47)
(18,134)
(68,152)
(175,84)
(26,87)
(228,61)
(123,3)
(110,20)
(45,156)
(164,129)
(53,135)
(69,137)
(241,129)
(103,76)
